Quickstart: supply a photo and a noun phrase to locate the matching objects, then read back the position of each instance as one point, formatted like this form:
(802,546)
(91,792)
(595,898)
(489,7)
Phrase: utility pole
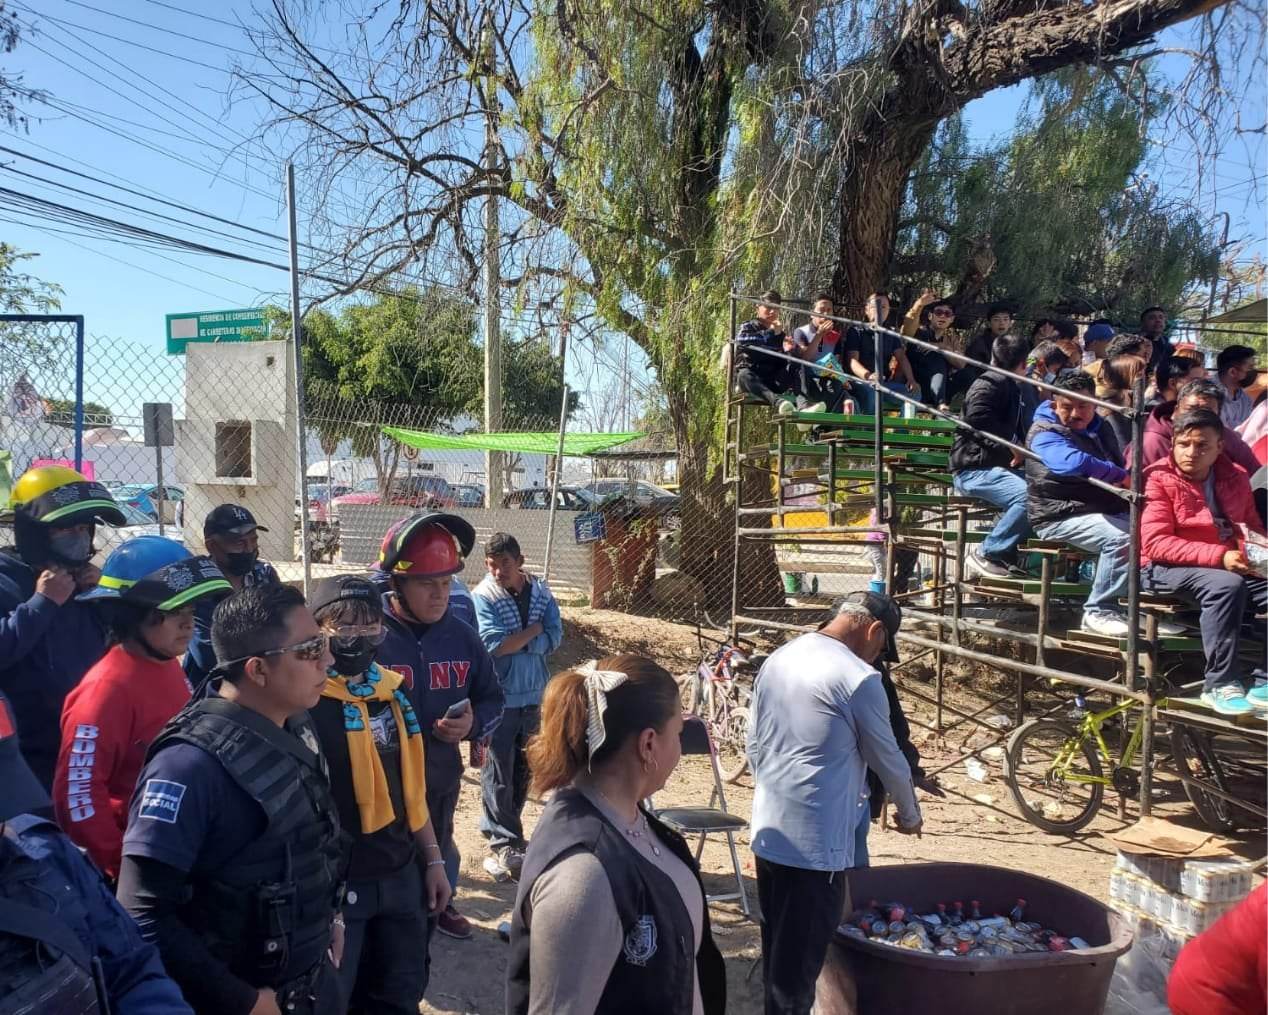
(492,283)
(297,339)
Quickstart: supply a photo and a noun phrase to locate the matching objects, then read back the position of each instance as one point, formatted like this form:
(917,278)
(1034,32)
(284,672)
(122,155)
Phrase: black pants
(814,386)
(768,385)
(386,958)
(442,803)
(1225,599)
(801,910)
(504,779)
(932,372)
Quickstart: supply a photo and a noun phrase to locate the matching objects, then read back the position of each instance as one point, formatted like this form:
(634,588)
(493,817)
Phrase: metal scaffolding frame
(892,470)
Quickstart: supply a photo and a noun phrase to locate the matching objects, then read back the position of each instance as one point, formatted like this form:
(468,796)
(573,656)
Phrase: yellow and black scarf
(369,784)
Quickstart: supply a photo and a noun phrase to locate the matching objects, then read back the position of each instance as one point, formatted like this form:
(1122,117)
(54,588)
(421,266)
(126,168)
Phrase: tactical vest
(40,972)
(266,913)
(657,964)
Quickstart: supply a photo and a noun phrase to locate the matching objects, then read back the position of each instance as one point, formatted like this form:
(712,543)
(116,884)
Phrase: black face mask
(239,564)
(354,658)
(1249,379)
(73,549)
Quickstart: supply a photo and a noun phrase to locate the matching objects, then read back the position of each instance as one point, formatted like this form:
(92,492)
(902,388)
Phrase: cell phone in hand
(457,708)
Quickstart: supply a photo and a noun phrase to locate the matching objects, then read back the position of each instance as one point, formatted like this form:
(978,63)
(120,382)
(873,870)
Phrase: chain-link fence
(614,537)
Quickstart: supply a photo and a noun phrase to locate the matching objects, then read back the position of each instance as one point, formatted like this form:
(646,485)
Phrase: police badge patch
(640,942)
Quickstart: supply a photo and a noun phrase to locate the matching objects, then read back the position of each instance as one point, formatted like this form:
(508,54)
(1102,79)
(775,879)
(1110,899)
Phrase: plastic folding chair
(706,821)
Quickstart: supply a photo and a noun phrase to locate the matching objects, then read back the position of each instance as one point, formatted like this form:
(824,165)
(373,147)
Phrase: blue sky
(151,108)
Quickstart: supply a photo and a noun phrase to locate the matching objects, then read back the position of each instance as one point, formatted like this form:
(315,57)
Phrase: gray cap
(882,608)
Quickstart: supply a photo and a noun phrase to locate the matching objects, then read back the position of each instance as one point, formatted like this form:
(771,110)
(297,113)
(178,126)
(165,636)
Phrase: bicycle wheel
(1041,789)
(1195,756)
(732,759)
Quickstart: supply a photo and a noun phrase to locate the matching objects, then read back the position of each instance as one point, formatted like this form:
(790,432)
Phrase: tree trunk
(873,181)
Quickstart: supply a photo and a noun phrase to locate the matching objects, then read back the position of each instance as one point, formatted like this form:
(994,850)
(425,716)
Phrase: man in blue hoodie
(449,675)
(520,626)
(48,639)
(1075,445)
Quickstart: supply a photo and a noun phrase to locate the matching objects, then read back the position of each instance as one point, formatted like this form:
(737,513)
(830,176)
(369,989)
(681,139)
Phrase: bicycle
(1055,773)
(717,697)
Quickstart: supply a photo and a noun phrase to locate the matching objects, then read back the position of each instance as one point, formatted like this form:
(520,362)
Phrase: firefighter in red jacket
(146,597)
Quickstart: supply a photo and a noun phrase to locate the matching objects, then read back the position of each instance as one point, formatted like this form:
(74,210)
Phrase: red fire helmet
(427,545)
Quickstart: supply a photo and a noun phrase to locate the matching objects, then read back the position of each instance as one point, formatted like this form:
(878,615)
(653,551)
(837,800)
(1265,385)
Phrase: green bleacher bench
(895,424)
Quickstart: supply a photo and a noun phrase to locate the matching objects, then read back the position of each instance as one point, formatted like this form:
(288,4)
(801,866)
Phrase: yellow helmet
(54,494)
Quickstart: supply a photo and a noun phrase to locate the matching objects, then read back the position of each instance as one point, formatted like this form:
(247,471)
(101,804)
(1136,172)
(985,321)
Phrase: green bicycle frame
(1090,726)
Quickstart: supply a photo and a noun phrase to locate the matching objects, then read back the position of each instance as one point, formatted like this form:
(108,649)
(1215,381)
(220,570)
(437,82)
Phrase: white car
(139,524)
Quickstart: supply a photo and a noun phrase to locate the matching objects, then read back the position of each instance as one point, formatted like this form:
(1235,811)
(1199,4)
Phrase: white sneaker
(816,407)
(1170,629)
(1103,622)
(785,407)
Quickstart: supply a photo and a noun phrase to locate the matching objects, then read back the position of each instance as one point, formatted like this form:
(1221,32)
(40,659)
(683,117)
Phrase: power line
(228,24)
(156,28)
(137,74)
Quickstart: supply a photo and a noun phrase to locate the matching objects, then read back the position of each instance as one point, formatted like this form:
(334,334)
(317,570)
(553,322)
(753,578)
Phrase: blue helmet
(158,573)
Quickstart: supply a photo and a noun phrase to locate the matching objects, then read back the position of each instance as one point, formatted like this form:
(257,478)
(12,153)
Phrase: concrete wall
(252,382)
(361,529)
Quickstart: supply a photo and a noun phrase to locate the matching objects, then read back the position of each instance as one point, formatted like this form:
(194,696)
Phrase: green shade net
(577,445)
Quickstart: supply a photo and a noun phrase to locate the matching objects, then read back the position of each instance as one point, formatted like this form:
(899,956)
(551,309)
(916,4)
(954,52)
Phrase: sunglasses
(942,313)
(309,650)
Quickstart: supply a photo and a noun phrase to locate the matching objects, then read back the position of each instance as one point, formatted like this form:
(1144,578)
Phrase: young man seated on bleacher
(860,357)
(1047,360)
(818,343)
(1074,446)
(759,374)
(1194,500)
(981,468)
(1194,395)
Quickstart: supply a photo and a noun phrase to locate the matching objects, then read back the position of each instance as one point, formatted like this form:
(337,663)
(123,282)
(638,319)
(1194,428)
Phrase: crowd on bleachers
(1055,461)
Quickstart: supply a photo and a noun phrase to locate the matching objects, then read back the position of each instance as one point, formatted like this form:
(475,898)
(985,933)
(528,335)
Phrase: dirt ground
(974,823)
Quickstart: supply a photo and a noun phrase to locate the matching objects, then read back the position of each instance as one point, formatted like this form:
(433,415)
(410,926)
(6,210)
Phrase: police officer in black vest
(611,914)
(233,856)
(66,945)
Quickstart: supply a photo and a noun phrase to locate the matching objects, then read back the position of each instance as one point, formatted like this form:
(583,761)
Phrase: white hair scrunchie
(599,683)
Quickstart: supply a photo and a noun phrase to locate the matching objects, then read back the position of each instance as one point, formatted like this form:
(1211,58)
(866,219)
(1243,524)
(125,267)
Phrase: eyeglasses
(309,650)
(942,313)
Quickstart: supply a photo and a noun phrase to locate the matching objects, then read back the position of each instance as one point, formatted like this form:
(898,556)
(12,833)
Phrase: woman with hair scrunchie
(610,915)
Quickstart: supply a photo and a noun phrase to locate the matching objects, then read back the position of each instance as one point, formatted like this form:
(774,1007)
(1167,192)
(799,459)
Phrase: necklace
(639,830)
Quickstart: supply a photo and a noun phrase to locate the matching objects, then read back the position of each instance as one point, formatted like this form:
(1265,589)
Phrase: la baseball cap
(232,520)
(882,608)
(20,791)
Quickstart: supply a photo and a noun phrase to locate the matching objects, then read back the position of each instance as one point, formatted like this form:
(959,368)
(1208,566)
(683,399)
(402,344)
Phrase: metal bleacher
(896,470)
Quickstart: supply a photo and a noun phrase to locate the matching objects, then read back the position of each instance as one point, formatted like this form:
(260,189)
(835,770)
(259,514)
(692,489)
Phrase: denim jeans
(1005,489)
(1226,599)
(504,779)
(861,857)
(865,395)
(1103,534)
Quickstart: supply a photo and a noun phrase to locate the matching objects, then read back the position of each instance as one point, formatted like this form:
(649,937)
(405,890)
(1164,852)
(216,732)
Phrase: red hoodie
(108,723)
(1176,526)
(1225,970)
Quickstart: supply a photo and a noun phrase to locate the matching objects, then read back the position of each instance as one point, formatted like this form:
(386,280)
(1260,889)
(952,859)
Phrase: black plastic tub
(865,978)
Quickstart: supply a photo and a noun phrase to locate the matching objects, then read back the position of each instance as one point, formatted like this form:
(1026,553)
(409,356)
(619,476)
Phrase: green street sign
(212,326)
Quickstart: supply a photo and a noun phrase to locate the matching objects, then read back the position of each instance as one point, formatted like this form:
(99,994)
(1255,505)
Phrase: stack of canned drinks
(955,930)
(1173,898)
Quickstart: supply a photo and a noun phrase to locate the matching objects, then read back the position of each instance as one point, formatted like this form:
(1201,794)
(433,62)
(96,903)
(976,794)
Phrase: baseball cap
(343,588)
(230,519)
(20,791)
(882,608)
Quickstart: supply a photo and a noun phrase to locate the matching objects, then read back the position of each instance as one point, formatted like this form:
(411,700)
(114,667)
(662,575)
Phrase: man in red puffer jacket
(1194,501)
(1225,970)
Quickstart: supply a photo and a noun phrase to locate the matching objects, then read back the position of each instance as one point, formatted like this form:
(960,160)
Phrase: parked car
(144,497)
(319,497)
(571,498)
(642,492)
(470,495)
(138,524)
(405,491)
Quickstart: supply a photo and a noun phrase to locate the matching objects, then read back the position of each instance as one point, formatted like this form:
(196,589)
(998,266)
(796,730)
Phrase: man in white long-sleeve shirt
(820,720)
